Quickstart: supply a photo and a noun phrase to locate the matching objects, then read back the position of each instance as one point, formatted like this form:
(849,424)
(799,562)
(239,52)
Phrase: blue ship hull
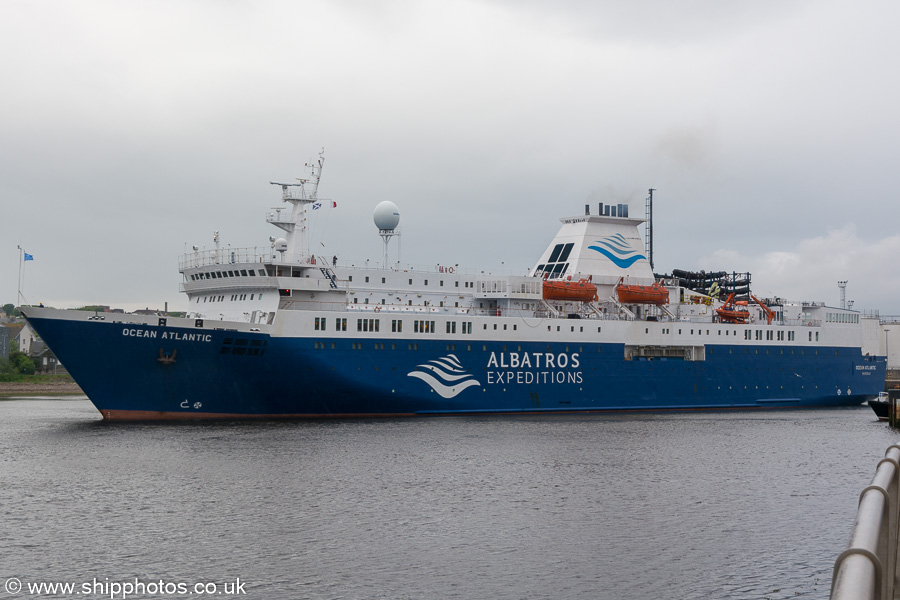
(144,371)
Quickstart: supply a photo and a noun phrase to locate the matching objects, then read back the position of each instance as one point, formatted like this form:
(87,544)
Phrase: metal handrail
(866,569)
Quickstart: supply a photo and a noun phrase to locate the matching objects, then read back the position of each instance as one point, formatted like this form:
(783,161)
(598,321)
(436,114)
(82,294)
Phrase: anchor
(167,359)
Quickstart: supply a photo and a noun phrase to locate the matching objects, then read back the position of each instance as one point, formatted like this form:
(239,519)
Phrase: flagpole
(19,282)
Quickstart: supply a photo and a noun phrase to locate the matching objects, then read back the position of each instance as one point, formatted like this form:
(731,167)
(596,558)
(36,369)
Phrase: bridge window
(554,256)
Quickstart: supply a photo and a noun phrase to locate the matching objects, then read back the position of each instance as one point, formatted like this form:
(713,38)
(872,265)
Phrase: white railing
(279,216)
(222,256)
(866,569)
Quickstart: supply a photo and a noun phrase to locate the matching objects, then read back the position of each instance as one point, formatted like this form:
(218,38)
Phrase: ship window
(240,342)
(238,350)
(261,273)
(244,272)
(565,253)
(426,282)
(367,279)
(259,343)
(557,269)
(251,272)
(284,292)
(442,283)
(410,282)
(382,280)
(555,254)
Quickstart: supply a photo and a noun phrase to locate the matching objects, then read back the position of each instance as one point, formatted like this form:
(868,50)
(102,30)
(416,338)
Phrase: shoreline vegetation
(38,385)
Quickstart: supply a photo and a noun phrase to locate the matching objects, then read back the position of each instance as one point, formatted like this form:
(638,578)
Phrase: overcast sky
(132,130)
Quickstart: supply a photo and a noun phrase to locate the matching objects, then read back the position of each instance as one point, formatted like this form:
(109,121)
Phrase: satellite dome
(387,215)
(281,245)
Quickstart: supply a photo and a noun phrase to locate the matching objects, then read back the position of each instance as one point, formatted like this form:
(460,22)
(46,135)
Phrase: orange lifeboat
(578,291)
(643,294)
(729,313)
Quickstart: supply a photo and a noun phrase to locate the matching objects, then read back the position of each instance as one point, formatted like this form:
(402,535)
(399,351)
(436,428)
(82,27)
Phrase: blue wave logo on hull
(445,375)
(616,249)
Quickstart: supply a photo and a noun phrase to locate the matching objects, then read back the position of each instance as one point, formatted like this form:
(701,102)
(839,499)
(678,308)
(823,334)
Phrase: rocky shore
(51,388)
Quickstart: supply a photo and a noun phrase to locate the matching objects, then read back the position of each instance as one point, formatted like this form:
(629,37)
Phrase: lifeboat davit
(729,313)
(643,294)
(578,291)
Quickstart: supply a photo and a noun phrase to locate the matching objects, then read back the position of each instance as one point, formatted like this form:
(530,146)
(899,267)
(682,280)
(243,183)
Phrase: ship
(280,332)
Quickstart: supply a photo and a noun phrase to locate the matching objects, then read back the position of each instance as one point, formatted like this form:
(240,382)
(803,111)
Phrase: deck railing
(868,567)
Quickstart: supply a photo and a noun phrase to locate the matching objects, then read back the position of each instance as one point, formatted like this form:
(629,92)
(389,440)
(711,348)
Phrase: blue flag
(317,206)
(28,256)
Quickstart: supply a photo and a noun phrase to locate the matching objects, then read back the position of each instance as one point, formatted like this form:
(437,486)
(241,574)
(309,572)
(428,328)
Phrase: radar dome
(387,215)
(281,245)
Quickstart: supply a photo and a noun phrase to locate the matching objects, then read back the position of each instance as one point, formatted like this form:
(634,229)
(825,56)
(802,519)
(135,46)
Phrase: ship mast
(648,242)
(297,224)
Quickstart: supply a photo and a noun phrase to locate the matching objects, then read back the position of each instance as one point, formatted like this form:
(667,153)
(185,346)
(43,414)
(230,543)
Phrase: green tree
(10,310)
(18,363)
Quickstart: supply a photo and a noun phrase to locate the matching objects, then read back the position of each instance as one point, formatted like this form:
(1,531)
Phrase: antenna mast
(648,231)
(296,225)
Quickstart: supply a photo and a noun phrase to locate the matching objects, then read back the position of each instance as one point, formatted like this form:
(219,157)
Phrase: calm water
(691,505)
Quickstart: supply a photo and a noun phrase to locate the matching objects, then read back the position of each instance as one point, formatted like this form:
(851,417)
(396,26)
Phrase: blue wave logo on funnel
(616,248)
(445,375)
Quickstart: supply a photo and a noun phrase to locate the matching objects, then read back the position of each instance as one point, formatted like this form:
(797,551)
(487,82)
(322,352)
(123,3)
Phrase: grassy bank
(38,385)
(37,378)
